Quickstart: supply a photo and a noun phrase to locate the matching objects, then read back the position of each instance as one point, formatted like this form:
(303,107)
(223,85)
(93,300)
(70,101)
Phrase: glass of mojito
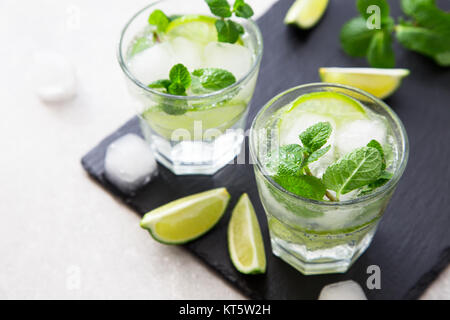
(327,159)
(192,76)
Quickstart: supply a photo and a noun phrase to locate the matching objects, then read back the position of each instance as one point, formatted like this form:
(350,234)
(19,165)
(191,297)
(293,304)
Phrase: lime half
(245,242)
(187,218)
(379,82)
(306,13)
(198,28)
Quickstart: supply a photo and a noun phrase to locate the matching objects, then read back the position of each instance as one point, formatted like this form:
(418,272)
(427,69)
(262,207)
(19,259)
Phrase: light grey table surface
(61,235)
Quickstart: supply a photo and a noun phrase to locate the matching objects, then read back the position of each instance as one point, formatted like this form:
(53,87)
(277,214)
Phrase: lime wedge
(379,82)
(187,218)
(245,242)
(306,13)
(198,28)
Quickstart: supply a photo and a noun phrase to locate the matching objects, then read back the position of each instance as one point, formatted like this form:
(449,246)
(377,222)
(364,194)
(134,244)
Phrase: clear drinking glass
(209,132)
(313,236)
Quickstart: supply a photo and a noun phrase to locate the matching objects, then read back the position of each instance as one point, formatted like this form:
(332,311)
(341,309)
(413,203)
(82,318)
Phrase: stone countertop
(61,235)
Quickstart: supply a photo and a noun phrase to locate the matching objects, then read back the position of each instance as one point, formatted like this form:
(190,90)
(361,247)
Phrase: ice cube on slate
(234,58)
(344,290)
(153,64)
(129,163)
(358,134)
(53,76)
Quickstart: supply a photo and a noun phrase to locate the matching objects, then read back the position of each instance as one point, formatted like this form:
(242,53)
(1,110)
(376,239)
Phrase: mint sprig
(159,19)
(200,81)
(363,168)
(228,30)
(427,33)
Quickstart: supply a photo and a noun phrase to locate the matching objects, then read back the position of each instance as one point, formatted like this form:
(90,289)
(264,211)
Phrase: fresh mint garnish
(317,154)
(316,136)
(159,19)
(353,171)
(363,168)
(428,32)
(228,30)
(160,84)
(306,186)
(242,9)
(214,78)
(376,145)
(220,8)
(200,81)
(180,75)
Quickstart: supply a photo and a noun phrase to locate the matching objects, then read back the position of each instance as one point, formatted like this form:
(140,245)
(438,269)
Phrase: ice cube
(129,163)
(344,290)
(300,124)
(358,134)
(187,52)
(153,63)
(53,76)
(232,57)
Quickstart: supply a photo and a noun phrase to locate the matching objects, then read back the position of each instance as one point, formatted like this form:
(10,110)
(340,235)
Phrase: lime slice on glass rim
(306,13)
(196,28)
(188,218)
(379,82)
(245,242)
(336,106)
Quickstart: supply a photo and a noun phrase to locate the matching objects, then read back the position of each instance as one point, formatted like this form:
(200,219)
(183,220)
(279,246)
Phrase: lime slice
(198,28)
(311,108)
(245,242)
(187,218)
(219,117)
(379,82)
(306,13)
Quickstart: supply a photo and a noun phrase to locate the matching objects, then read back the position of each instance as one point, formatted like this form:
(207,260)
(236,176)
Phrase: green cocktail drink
(192,87)
(327,161)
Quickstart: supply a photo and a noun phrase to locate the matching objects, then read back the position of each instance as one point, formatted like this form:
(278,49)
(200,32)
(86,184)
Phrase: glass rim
(123,65)
(391,183)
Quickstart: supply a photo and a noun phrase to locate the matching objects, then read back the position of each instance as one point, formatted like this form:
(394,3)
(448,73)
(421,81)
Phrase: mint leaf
(305,186)
(242,9)
(428,15)
(140,45)
(176,89)
(159,19)
(356,37)
(376,145)
(425,41)
(362,6)
(214,78)
(381,181)
(410,6)
(355,170)
(228,31)
(180,74)
(160,84)
(220,8)
(380,53)
(317,154)
(289,160)
(316,136)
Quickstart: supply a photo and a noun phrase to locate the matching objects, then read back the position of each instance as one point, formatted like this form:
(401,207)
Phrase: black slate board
(412,244)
